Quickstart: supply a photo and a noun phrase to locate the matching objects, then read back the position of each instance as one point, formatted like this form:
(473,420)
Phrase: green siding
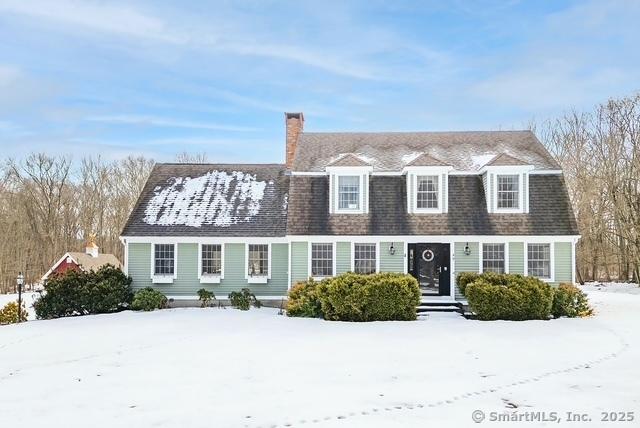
(139,265)
(343,257)
(392,263)
(299,261)
(562,262)
(464,263)
(187,282)
(516,257)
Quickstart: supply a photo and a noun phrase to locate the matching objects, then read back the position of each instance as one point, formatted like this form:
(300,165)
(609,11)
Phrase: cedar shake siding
(550,210)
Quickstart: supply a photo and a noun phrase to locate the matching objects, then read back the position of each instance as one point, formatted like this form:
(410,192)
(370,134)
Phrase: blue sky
(162,77)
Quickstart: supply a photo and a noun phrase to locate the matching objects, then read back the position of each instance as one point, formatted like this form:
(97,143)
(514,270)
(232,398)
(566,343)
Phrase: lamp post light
(20,282)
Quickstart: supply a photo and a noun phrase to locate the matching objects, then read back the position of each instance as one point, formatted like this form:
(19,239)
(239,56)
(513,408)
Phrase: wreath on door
(427,255)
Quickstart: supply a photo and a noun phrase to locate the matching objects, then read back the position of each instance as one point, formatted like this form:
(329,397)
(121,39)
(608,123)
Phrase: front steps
(429,304)
(425,307)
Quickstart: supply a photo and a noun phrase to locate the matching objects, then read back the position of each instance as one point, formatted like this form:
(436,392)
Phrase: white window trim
(353,254)
(363,174)
(210,279)
(256,279)
(310,257)
(412,183)
(506,255)
(522,171)
(552,268)
(164,279)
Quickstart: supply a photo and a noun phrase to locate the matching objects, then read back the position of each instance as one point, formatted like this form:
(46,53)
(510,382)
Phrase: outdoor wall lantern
(392,249)
(467,250)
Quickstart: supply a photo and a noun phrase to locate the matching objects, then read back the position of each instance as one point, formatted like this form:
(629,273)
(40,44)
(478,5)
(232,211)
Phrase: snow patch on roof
(217,198)
(410,157)
(479,161)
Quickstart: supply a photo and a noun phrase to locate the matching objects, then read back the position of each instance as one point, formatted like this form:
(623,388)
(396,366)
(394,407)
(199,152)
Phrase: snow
(227,368)
(27,297)
(408,158)
(478,161)
(216,198)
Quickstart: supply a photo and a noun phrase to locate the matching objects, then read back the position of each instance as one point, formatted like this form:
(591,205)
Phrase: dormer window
(348,192)
(427,192)
(349,189)
(508,191)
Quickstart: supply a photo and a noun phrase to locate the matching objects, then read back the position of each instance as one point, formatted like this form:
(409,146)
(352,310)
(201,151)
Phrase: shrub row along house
(431,204)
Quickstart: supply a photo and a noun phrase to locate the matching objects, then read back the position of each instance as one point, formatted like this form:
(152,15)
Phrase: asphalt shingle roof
(392,151)
(212,200)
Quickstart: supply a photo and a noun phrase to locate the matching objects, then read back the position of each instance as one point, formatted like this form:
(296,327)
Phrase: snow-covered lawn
(226,368)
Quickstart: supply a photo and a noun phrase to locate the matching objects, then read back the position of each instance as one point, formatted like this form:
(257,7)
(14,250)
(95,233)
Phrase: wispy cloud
(126,21)
(143,120)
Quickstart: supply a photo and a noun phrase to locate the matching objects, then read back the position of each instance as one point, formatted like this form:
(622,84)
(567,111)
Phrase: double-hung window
(258,260)
(508,191)
(493,259)
(164,260)
(348,192)
(322,260)
(364,258)
(427,192)
(539,260)
(211,259)
(163,263)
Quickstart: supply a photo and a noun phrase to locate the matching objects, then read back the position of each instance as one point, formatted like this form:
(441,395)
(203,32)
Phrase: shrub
(303,300)
(376,297)
(9,314)
(465,278)
(243,299)
(570,301)
(148,299)
(80,293)
(205,297)
(509,297)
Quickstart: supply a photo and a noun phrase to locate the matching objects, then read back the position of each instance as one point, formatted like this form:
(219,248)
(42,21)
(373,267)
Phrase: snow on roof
(216,198)
(479,161)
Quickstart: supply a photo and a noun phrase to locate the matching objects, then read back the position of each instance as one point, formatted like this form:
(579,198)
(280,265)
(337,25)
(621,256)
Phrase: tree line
(599,152)
(50,205)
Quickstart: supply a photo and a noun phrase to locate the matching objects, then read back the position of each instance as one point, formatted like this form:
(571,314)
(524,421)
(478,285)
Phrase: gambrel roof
(550,210)
(392,151)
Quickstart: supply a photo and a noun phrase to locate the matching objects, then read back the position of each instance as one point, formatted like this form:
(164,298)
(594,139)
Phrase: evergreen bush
(206,297)
(148,299)
(570,301)
(9,314)
(243,299)
(375,297)
(303,300)
(81,293)
(509,297)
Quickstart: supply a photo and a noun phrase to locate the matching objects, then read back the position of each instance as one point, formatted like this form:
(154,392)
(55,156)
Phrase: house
(91,259)
(431,204)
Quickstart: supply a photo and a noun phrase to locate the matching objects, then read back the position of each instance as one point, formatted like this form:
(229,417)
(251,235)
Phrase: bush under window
(514,297)
(243,299)
(355,297)
(303,300)
(81,293)
(570,301)
(148,299)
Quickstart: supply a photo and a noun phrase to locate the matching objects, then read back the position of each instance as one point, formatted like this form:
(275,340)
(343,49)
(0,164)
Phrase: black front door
(429,264)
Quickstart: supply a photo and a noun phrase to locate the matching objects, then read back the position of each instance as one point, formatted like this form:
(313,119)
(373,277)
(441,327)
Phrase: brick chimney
(295,125)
